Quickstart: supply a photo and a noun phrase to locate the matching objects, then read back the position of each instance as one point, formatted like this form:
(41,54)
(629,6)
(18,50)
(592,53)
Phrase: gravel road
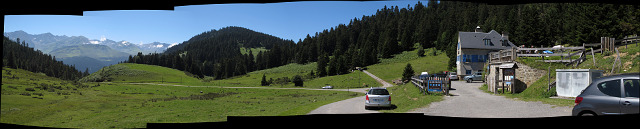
(350,106)
(469,101)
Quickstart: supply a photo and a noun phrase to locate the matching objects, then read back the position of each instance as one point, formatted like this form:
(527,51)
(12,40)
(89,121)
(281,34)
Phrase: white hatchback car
(377,97)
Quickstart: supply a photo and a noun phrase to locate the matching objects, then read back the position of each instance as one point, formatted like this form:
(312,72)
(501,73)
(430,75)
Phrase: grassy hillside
(121,105)
(392,68)
(351,80)
(141,73)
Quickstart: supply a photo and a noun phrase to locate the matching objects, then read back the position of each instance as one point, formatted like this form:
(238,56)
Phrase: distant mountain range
(83,52)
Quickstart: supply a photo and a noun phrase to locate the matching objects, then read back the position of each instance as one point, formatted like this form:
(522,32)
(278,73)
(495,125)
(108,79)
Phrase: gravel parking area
(468,101)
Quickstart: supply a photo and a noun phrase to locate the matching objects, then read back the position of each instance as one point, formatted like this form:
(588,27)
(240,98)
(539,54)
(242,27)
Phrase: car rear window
(611,88)
(378,92)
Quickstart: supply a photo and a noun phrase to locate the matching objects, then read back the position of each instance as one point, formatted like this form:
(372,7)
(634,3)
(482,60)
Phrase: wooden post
(549,79)
(513,81)
(593,57)
(602,45)
(503,80)
(496,79)
(448,85)
(613,43)
(619,60)
(614,62)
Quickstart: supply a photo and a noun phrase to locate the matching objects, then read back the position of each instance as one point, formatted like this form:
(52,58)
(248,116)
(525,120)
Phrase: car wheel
(587,114)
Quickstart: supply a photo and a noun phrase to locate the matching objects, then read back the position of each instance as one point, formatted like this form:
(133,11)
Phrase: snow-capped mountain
(155,47)
(103,49)
(123,46)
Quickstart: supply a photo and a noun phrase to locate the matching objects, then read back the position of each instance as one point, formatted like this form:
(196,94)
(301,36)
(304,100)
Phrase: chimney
(478,29)
(505,35)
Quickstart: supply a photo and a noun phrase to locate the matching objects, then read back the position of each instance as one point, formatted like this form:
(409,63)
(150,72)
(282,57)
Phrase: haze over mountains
(84,53)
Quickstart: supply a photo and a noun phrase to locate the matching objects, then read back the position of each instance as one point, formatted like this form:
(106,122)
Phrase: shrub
(297,80)
(29,89)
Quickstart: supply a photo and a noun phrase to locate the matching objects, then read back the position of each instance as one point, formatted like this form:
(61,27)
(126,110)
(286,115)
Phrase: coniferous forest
(19,56)
(392,30)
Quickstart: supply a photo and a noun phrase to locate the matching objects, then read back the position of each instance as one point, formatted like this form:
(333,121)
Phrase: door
(629,104)
(609,103)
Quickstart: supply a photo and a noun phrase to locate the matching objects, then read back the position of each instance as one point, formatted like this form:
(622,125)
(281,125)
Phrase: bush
(264,80)
(420,51)
(29,89)
(297,80)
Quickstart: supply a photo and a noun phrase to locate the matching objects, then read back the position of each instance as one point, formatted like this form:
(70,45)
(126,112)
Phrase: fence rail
(429,85)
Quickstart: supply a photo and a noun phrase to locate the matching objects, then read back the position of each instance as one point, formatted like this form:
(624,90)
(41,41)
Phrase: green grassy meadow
(124,105)
(140,73)
(392,68)
(132,95)
(351,80)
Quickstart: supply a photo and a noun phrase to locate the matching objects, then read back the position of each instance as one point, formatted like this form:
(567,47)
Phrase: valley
(231,64)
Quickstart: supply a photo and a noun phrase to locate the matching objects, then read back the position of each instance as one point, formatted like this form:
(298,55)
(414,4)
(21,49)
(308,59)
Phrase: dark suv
(609,95)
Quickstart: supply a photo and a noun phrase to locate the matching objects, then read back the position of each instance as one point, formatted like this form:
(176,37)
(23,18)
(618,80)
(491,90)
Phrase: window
(482,58)
(468,72)
(378,92)
(467,58)
(487,42)
(474,58)
(631,87)
(611,88)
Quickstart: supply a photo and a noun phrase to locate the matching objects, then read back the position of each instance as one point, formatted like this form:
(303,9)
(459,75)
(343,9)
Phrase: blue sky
(287,20)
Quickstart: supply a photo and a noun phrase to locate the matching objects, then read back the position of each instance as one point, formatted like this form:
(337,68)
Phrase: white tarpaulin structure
(570,82)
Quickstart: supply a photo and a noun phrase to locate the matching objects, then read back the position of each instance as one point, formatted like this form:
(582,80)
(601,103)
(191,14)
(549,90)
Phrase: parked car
(423,75)
(441,75)
(477,76)
(327,87)
(377,97)
(609,95)
(453,76)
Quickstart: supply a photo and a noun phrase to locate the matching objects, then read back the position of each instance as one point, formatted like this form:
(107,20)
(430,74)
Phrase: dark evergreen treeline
(20,56)
(217,53)
(392,30)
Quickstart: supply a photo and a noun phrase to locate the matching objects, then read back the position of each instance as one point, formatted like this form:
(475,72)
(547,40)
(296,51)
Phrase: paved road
(469,101)
(350,106)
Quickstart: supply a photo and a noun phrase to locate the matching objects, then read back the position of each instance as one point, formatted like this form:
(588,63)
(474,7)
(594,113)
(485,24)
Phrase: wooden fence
(429,85)
(565,53)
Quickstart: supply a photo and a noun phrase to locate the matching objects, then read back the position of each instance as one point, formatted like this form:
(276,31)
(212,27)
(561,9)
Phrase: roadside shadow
(392,107)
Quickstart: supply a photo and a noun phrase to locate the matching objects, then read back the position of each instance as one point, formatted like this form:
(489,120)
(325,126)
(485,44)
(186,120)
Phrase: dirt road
(350,106)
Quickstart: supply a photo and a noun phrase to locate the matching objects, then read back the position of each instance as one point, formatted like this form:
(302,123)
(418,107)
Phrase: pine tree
(264,80)
(12,60)
(408,72)
(420,51)
(86,72)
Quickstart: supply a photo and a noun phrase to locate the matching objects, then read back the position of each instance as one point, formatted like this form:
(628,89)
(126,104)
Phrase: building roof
(476,40)
(509,66)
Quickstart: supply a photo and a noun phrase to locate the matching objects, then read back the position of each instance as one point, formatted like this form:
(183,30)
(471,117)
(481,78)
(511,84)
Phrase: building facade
(473,49)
